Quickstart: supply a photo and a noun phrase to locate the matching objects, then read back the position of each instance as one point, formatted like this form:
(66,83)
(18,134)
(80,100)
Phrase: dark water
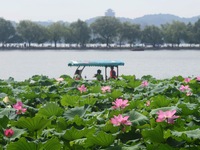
(160,64)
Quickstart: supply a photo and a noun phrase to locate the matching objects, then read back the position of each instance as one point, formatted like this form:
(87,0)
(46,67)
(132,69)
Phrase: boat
(137,49)
(97,63)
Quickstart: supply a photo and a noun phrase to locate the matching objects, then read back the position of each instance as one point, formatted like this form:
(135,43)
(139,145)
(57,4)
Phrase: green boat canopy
(98,63)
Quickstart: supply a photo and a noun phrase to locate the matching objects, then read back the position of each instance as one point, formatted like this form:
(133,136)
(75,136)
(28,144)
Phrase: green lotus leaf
(95,89)
(133,84)
(160,101)
(128,77)
(80,142)
(159,89)
(3,121)
(6,89)
(71,113)
(188,108)
(61,123)
(73,133)
(32,124)
(101,139)
(28,94)
(108,127)
(134,147)
(137,118)
(52,144)
(22,144)
(148,78)
(17,133)
(2,95)
(78,120)
(116,94)
(81,121)
(88,101)
(50,109)
(154,135)
(121,83)
(160,146)
(187,135)
(48,132)
(178,78)
(8,112)
(68,100)
(45,81)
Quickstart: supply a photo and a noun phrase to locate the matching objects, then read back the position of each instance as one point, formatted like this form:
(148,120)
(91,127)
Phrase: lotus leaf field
(42,113)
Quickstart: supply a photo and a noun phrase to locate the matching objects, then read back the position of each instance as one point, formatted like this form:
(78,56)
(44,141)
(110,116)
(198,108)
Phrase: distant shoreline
(98,48)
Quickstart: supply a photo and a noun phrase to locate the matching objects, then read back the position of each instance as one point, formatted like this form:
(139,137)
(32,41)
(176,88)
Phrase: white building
(110,13)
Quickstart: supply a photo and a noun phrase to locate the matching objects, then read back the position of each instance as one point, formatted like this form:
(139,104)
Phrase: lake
(161,64)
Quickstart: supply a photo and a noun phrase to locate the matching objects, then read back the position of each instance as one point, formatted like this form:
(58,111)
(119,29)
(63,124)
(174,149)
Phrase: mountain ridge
(149,19)
(153,19)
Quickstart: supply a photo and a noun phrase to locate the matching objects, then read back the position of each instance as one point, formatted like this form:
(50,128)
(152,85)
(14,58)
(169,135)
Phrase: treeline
(105,30)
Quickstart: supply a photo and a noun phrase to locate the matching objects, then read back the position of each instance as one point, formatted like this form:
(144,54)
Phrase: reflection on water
(160,64)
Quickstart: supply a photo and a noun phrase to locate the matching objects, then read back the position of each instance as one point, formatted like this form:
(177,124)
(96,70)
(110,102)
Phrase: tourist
(99,76)
(112,73)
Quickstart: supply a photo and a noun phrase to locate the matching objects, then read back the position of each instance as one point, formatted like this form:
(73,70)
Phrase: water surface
(160,64)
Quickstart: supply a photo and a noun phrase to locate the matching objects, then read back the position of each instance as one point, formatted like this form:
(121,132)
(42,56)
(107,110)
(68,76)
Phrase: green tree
(28,30)
(152,35)
(80,32)
(106,28)
(7,31)
(197,32)
(120,35)
(174,33)
(42,34)
(56,32)
(16,39)
(68,36)
(131,32)
(190,38)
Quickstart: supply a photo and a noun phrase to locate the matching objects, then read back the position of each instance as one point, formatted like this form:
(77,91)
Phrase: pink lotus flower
(19,108)
(120,120)
(148,103)
(189,93)
(8,133)
(82,88)
(105,89)
(59,79)
(168,116)
(184,88)
(198,78)
(187,80)
(120,103)
(144,83)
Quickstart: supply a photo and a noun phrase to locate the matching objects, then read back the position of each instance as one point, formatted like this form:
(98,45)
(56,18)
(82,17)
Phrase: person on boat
(99,76)
(77,75)
(112,73)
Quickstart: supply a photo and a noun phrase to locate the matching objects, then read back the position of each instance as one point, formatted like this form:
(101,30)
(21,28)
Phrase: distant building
(110,13)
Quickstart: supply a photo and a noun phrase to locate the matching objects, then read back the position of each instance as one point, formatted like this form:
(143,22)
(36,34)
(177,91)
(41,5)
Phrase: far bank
(98,48)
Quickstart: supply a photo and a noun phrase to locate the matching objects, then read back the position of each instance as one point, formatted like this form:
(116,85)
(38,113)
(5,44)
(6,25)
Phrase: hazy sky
(72,10)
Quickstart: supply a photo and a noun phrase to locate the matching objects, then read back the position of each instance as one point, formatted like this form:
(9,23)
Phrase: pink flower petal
(120,120)
(8,133)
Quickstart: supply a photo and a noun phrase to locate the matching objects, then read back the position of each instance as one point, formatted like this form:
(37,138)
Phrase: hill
(153,19)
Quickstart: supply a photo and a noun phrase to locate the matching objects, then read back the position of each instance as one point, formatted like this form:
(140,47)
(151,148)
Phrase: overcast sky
(72,10)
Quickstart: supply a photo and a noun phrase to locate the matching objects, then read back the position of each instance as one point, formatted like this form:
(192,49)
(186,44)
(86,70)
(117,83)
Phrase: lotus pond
(43,113)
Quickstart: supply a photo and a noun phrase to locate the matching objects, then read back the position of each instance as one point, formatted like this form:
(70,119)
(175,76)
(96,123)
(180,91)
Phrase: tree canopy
(104,30)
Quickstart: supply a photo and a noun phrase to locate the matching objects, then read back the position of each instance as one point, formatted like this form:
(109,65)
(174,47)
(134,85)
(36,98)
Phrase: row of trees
(104,30)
